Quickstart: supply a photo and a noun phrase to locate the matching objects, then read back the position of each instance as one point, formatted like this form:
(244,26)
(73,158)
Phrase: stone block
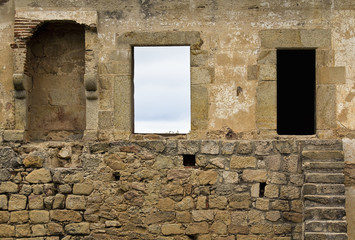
(323,154)
(13,135)
(35,202)
(208,177)
(183,217)
(267,72)
(39,216)
(105,119)
(23,230)
(240,201)
(326,106)
(271,191)
(17,202)
(262,204)
(242,162)
(39,176)
(58,201)
(280,205)
(158,217)
(266,105)
(199,58)
(250,175)
(228,148)
(245,147)
(3,202)
(65,188)
(8,187)
(83,188)
(230,177)
(253,72)
(219,227)
(7,230)
(290,192)
(267,57)
(82,228)
(324,178)
(186,203)
(55,229)
(5,175)
(210,147)
(4,216)
(201,75)
(19,216)
(273,216)
(123,102)
(75,202)
(219,202)
(38,230)
(33,161)
(291,164)
(199,107)
(331,75)
(202,215)
(216,163)
(188,147)
(172,229)
(166,204)
(197,228)
(319,213)
(65,216)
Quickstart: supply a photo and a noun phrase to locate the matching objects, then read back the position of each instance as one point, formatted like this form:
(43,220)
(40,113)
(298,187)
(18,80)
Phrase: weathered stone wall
(142,190)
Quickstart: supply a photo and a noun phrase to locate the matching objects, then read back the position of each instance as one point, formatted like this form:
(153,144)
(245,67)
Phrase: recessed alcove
(56,63)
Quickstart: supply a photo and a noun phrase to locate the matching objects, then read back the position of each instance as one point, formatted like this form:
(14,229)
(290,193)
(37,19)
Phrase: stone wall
(142,190)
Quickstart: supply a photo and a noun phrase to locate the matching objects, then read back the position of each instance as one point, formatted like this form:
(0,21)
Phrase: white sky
(162,89)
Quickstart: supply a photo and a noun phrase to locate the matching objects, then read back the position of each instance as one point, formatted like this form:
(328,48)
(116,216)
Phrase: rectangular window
(162,89)
(296,92)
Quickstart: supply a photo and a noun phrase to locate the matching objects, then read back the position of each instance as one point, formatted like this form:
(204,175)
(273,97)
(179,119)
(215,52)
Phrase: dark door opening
(296,92)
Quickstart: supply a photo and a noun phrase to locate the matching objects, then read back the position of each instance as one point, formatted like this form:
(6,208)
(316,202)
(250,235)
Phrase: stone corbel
(22,83)
(90,82)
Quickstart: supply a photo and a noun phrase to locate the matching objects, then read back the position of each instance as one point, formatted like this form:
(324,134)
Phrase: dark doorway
(296,92)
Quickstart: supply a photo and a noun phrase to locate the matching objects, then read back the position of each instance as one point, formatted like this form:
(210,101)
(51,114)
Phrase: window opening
(262,189)
(296,92)
(162,89)
(189,160)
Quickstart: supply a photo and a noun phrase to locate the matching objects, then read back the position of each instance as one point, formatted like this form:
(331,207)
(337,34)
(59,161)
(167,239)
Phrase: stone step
(323,189)
(323,155)
(324,213)
(324,201)
(326,226)
(324,177)
(324,166)
(325,236)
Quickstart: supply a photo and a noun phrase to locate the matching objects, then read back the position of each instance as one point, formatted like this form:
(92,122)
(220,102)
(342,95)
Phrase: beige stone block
(166,204)
(281,205)
(267,57)
(293,38)
(273,216)
(258,175)
(186,203)
(262,204)
(199,58)
(38,230)
(105,119)
(201,202)
(253,72)
(19,217)
(65,216)
(17,202)
(123,103)
(39,216)
(208,177)
(219,202)
(35,202)
(266,105)
(197,228)
(8,187)
(267,72)
(240,201)
(201,75)
(75,202)
(23,230)
(59,201)
(202,215)
(183,217)
(271,191)
(242,162)
(4,216)
(33,161)
(331,75)
(55,229)
(219,227)
(199,107)
(172,229)
(7,230)
(83,189)
(230,177)
(13,135)
(39,176)
(324,58)
(92,117)
(326,106)
(82,228)
(289,192)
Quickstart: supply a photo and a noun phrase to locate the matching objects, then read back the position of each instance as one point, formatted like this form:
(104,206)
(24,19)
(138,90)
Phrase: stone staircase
(324,195)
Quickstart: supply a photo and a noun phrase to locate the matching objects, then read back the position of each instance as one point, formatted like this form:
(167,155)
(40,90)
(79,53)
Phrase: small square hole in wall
(189,160)
(162,89)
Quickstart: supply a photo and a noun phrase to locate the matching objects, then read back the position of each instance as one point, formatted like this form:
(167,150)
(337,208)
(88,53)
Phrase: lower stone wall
(154,190)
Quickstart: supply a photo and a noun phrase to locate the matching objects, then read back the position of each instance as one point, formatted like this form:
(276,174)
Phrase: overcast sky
(162,89)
